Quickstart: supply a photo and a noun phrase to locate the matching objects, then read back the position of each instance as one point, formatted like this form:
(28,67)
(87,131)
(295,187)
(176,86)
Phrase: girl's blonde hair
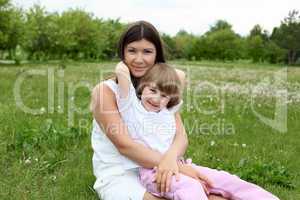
(165,78)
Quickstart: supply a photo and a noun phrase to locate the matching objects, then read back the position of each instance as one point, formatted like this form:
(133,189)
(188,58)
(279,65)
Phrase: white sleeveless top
(153,129)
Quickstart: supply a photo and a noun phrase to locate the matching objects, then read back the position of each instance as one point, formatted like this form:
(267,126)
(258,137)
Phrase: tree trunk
(290,56)
(294,57)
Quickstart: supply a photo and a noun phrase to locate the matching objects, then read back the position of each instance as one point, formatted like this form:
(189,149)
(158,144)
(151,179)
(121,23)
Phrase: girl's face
(153,99)
(140,57)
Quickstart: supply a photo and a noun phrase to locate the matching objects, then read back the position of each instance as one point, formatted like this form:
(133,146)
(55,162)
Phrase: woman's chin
(138,74)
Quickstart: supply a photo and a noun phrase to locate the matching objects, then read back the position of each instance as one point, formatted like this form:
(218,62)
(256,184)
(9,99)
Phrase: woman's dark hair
(138,31)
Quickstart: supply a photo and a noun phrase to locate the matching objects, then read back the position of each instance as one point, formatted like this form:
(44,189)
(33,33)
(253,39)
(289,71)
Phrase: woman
(117,155)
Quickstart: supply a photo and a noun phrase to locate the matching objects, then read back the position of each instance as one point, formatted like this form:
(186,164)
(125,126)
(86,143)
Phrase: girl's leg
(214,197)
(232,187)
(186,188)
(149,196)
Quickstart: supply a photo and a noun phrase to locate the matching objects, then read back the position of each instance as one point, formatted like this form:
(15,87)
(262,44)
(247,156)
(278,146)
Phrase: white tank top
(107,161)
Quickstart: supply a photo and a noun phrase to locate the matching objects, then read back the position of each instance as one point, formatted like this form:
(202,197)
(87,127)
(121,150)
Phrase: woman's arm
(168,165)
(180,142)
(105,112)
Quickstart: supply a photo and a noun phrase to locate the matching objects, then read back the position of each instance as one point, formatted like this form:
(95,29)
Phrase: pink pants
(224,184)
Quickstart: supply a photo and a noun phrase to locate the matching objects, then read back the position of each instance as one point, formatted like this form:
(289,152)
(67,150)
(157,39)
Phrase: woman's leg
(121,187)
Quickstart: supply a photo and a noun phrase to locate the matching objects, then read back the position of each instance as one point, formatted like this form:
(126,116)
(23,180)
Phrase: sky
(170,16)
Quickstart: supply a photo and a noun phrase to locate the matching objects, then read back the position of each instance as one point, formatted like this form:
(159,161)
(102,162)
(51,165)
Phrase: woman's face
(140,57)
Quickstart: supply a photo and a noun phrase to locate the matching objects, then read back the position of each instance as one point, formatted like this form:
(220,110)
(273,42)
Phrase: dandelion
(53,178)
(244,145)
(28,161)
(212,143)
(259,105)
(42,110)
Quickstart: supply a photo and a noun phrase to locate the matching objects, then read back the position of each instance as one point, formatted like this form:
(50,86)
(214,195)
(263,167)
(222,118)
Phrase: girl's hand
(188,170)
(164,172)
(121,68)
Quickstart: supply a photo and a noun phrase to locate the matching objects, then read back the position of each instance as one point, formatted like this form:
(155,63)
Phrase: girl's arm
(168,165)
(105,112)
(123,77)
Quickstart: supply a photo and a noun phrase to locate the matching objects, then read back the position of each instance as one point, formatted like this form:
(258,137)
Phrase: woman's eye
(131,50)
(147,51)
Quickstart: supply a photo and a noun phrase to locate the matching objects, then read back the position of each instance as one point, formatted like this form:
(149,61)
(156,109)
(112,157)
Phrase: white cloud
(194,16)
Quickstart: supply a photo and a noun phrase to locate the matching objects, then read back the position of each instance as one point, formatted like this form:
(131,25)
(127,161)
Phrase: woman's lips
(139,68)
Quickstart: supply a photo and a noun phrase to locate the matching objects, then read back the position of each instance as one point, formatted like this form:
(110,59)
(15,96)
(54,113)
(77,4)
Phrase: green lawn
(45,137)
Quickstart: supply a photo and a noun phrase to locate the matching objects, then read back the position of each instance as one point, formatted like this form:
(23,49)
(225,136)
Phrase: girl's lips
(153,105)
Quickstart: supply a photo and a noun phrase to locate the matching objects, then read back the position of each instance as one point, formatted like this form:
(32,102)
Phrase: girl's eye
(165,96)
(153,90)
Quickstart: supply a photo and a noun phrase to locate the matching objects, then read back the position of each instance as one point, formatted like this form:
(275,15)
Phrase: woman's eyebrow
(149,49)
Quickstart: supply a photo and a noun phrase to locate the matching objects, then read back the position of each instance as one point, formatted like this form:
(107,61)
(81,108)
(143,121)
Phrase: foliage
(287,36)
(79,35)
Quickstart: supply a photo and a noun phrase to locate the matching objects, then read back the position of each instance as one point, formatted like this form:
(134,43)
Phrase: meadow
(239,117)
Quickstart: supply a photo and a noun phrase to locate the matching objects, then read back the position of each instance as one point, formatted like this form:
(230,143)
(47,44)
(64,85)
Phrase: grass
(47,155)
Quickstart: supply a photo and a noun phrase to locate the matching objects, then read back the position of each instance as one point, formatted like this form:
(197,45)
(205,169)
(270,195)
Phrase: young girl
(149,116)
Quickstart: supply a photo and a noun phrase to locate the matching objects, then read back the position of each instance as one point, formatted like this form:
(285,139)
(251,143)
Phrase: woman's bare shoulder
(181,75)
(101,93)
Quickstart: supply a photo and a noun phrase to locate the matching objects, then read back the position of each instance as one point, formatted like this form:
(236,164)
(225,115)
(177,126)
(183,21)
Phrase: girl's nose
(156,98)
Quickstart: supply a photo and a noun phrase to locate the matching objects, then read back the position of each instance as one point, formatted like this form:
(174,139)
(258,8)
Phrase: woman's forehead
(141,44)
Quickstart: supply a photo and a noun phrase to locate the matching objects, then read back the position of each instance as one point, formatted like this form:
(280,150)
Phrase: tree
(256,48)
(219,25)
(4,18)
(183,41)
(257,30)
(37,34)
(223,44)
(169,46)
(287,36)
(273,53)
(15,32)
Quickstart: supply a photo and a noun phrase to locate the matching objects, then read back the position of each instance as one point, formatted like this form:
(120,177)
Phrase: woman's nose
(139,58)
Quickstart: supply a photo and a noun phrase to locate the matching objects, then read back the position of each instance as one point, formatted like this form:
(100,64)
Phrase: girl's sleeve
(176,108)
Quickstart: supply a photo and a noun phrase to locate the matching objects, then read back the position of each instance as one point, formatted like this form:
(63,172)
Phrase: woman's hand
(165,170)
(188,170)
